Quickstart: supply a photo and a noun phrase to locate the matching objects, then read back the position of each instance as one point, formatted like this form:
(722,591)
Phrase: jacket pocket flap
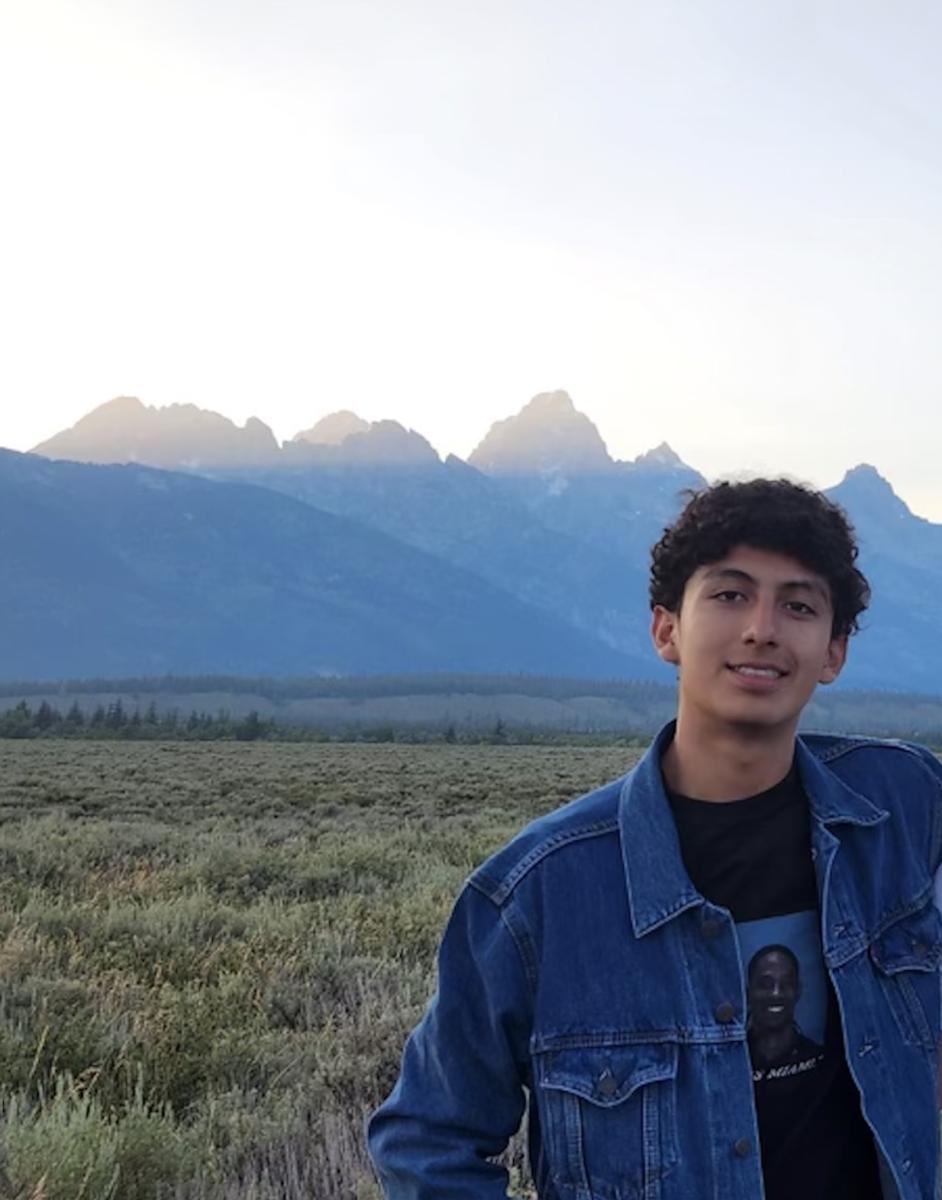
(911,944)
(607,1075)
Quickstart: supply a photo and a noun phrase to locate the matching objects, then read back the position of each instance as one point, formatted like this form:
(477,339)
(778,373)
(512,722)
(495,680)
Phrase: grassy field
(211,953)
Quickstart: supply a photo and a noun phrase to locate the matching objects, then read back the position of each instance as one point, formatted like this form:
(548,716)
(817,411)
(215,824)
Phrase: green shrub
(69,1148)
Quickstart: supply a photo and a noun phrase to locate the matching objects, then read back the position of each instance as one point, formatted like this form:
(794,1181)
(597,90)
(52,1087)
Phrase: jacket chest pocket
(608,1118)
(906,957)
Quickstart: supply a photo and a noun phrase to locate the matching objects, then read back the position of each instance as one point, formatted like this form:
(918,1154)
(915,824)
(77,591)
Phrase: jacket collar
(832,801)
(658,885)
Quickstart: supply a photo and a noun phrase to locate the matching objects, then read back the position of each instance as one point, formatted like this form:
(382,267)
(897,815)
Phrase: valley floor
(212,952)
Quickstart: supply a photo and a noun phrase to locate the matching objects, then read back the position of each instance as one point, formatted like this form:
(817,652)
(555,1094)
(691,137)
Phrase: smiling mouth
(759,672)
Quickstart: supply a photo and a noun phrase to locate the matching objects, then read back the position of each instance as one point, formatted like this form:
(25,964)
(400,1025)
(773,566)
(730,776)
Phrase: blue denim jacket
(581,967)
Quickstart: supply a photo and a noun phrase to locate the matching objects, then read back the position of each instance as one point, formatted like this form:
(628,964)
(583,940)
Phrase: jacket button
(920,949)
(607,1084)
(742,1147)
(710,928)
(724,1013)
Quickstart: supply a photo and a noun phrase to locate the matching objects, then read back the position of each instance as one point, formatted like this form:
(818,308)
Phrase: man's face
(773,992)
(751,641)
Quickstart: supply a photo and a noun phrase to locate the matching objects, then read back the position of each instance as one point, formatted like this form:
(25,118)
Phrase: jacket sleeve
(460,1094)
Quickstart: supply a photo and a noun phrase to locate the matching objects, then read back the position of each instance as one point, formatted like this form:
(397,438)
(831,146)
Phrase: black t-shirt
(753,857)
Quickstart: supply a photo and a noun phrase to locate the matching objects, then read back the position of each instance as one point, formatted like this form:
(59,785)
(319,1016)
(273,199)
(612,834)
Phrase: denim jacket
(580,968)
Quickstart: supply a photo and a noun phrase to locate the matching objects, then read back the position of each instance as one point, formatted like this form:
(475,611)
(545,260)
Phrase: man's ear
(664,628)
(834,663)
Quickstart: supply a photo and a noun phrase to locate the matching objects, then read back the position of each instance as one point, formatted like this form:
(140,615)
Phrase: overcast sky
(716,223)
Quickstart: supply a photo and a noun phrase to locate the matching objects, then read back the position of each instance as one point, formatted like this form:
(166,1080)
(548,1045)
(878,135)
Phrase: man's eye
(728,594)
(799,606)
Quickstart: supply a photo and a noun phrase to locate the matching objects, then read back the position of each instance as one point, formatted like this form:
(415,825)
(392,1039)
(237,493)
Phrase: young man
(717,978)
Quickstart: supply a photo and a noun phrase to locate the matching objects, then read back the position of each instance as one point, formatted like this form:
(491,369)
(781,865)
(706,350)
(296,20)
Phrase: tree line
(115,721)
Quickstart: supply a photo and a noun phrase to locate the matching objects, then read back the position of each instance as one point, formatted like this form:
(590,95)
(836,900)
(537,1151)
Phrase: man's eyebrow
(810,583)
(804,583)
(729,573)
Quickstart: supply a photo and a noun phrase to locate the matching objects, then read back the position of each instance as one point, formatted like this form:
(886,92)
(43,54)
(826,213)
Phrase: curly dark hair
(774,948)
(766,514)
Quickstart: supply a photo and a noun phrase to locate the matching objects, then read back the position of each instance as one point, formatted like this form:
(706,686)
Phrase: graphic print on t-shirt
(786,994)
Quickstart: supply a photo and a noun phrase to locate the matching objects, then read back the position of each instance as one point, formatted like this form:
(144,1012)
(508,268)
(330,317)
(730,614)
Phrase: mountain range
(170,540)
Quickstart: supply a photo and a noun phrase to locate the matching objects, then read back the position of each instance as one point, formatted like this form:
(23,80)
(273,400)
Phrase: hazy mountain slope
(464,518)
(127,570)
(899,646)
(551,519)
(550,458)
(558,523)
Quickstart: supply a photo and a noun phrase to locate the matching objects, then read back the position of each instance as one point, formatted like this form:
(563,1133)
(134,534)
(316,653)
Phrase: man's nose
(762,624)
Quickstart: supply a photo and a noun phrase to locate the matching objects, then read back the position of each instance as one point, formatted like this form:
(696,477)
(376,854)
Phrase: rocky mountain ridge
(541,514)
(548,436)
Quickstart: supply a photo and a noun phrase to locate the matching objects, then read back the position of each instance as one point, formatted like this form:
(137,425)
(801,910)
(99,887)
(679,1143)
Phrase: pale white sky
(714,222)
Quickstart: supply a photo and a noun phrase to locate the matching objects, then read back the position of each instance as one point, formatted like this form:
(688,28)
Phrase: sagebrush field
(212,953)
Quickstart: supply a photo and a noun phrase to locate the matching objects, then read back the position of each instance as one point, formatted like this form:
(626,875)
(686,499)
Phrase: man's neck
(730,764)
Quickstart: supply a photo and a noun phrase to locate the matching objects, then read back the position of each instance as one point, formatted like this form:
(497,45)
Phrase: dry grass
(212,953)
